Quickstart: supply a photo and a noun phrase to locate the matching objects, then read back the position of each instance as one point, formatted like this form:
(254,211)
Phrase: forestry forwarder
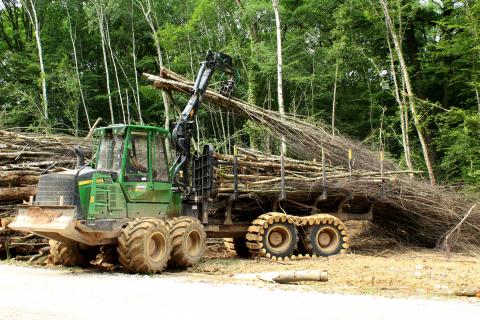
(155,215)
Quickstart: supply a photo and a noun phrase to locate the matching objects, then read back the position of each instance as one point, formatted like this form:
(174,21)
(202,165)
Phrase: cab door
(137,179)
(162,186)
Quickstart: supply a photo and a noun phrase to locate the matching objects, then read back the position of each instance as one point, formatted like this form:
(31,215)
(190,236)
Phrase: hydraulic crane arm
(181,133)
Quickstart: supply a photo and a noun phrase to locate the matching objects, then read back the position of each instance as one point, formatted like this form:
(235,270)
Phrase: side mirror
(80,157)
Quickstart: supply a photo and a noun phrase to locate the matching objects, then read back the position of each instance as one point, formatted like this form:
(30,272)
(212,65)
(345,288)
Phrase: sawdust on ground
(374,266)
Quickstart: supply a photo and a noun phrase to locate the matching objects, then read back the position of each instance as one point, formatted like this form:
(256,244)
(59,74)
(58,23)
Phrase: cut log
(16,193)
(18,178)
(284,277)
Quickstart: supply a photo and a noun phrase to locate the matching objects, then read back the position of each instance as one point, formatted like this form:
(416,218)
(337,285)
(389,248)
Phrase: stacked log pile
(23,158)
(406,208)
(261,173)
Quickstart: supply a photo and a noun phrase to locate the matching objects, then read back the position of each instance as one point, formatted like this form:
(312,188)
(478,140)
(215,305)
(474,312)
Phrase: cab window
(110,152)
(136,168)
(159,158)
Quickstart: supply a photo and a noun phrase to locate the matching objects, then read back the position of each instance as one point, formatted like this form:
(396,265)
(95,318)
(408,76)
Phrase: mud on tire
(188,241)
(144,246)
(71,254)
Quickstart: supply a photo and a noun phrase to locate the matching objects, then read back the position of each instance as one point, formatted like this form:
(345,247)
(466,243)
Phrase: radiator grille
(52,186)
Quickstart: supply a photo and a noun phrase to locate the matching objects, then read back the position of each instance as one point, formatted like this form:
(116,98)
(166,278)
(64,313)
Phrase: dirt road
(54,294)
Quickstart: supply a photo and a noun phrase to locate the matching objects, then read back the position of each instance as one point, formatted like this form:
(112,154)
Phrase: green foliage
(441,43)
(458,143)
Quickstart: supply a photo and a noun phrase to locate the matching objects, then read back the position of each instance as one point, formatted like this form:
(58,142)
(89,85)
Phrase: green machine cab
(131,179)
(131,198)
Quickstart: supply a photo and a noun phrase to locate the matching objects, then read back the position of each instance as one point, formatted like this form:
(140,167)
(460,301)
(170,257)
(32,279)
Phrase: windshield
(110,152)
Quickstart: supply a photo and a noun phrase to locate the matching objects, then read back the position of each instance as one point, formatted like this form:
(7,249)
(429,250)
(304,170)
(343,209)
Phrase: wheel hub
(324,239)
(156,246)
(279,238)
(327,238)
(193,243)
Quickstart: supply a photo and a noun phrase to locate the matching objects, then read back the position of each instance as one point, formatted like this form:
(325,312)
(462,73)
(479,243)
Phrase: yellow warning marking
(92,199)
(349,154)
(85,182)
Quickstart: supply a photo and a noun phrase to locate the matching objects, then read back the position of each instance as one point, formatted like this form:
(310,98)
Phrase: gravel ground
(52,294)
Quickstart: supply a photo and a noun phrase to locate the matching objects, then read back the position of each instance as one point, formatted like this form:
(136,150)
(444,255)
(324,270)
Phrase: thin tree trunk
(128,106)
(76,122)
(191,57)
(109,44)
(105,61)
(228,131)
(77,70)
(134,54)
(401,106)
(32,13)
(403,67)
(281,107)
(406,118)
(334,103)
(213,123)
(478,99)
(153,29)
(223,130)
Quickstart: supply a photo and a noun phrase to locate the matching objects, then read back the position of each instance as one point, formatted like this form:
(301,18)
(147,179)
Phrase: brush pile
(405,208)
(301,135)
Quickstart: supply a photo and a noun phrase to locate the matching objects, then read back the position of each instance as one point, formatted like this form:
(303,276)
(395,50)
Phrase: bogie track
(279,236)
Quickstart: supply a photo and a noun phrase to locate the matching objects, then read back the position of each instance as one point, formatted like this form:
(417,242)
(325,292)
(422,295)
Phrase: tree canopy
(334,53)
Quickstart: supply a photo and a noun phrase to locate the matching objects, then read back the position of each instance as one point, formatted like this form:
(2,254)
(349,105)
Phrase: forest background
(63,64)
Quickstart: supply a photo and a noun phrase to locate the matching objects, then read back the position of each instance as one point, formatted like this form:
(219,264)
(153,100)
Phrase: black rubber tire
(144,246)
(290,245)
(70,255)
(237,246)
(314,248)
(189,241)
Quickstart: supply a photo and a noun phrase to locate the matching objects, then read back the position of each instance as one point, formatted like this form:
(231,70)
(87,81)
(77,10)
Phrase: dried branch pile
(406,209)
(302,136)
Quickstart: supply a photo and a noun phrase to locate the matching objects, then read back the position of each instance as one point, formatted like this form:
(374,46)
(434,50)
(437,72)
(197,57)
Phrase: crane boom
(181,133)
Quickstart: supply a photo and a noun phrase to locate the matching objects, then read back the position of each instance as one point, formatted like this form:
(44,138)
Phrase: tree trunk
(109,44)
(478,99)
(281,107)
(104,51)
(72,39)
(32,13)
(166,101)
(334,103)
(128,106)
(134,55)
(408,86)
(401,106)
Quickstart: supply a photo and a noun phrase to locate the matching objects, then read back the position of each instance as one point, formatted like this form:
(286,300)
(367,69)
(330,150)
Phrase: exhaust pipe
(80,157)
